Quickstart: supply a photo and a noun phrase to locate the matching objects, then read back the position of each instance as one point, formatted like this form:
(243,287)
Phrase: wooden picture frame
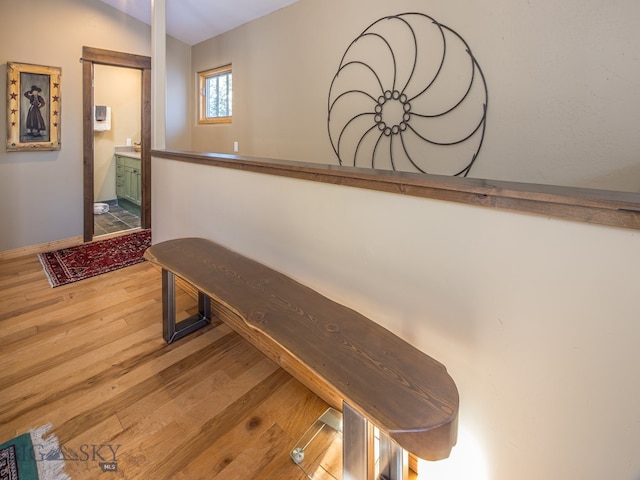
(33,107)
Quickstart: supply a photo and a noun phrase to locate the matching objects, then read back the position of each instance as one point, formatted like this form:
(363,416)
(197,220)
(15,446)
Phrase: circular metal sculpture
(410,96)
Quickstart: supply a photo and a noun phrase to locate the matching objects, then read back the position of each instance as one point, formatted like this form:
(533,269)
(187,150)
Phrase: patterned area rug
(90,259)
(32,457)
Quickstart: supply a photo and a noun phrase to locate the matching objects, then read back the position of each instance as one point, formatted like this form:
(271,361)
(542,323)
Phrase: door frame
(96,56)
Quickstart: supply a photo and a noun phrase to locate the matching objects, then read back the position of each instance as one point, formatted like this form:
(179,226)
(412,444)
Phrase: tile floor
(115,220)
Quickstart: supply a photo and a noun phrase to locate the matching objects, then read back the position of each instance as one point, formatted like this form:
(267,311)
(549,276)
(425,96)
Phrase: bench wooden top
(404,392)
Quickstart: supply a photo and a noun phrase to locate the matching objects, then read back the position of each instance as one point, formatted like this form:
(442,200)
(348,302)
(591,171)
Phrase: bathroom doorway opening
(117,178)
(137,196)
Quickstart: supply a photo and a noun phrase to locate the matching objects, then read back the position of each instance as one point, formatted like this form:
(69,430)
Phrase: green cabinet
(128,179)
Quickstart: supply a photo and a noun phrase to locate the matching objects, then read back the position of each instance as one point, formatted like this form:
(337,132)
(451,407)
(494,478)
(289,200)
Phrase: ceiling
(192,21)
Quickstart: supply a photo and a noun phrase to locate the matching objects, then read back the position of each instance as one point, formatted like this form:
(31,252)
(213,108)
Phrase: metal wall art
(33,107)
(408,95)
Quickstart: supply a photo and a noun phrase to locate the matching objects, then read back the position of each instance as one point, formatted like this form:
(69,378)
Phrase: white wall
(536,319)
(562,79)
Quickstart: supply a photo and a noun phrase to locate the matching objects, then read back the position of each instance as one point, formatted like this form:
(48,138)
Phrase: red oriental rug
(69,265)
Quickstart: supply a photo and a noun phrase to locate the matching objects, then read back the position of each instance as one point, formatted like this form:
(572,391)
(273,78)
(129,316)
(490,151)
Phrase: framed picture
(33,107)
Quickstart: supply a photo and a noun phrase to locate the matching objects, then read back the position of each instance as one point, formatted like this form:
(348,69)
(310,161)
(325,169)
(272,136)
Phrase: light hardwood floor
(89,358)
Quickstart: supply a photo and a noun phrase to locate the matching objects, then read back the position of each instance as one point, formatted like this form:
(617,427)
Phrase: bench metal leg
(359,462)
(393,460)
(170,330)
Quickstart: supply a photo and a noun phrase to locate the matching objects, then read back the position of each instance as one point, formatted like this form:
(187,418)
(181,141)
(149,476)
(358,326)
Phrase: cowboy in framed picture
(35,124)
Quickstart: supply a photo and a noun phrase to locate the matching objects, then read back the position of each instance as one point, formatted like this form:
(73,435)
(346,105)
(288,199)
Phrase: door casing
(90,57)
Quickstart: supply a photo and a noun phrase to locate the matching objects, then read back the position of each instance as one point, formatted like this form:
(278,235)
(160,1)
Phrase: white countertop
(129,154)
(127,151)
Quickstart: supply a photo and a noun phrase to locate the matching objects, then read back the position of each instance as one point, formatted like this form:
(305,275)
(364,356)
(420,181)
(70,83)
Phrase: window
(216,95)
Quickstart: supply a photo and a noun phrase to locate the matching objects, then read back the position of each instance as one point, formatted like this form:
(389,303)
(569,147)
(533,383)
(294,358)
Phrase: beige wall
(121,90)
(536,319)
(43,190)
(562,78)
(179,111)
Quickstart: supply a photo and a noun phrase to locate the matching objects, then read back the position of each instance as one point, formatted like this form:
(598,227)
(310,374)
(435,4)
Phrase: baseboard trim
(40,248)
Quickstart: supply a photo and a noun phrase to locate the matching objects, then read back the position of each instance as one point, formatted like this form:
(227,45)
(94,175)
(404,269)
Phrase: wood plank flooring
(89,358)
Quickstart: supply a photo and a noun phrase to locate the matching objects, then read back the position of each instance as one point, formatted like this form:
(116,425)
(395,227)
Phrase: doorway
(116,145)
(92,57)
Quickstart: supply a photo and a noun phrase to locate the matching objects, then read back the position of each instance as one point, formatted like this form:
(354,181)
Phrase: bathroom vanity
(128,179)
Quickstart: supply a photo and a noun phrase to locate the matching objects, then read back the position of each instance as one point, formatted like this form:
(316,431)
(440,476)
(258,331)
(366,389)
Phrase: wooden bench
(354,364)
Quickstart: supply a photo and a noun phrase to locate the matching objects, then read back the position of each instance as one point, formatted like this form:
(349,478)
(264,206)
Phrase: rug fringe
(45,267)
(51,467)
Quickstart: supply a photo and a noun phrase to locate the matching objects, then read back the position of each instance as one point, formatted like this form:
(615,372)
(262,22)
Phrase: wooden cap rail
(603,207)
(338,353)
